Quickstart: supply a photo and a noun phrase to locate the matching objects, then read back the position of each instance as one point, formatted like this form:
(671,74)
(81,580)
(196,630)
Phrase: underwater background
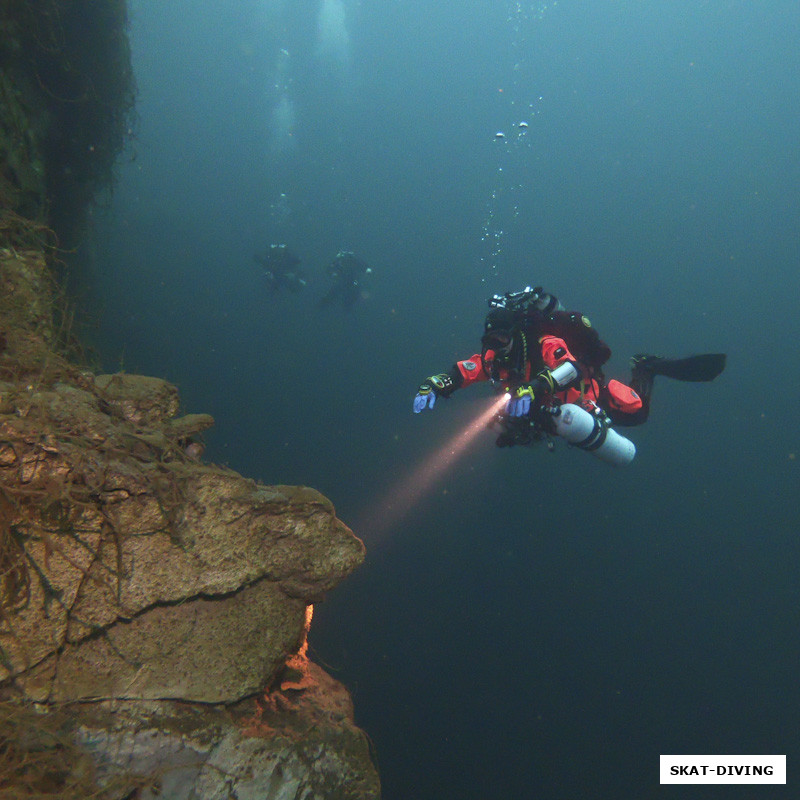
(526,624)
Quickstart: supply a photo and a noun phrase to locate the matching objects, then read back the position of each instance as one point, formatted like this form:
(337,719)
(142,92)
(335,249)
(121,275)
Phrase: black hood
(500,320)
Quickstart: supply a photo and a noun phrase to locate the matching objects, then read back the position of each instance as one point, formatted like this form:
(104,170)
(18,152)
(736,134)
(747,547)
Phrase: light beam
(409,490)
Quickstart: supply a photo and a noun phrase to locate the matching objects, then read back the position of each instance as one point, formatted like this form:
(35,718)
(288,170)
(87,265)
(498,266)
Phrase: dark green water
(536,625)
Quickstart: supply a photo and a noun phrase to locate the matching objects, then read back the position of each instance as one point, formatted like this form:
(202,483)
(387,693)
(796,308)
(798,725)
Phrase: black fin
(703,367)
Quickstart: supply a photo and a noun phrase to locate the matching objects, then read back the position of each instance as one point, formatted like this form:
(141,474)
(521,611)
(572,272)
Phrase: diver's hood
(500,322)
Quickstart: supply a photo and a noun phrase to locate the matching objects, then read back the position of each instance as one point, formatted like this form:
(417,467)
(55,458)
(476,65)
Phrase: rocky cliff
(154,609)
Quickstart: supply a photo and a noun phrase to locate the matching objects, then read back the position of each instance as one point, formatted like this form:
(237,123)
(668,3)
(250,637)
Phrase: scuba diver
(347,272)
(549,361)
(281,268)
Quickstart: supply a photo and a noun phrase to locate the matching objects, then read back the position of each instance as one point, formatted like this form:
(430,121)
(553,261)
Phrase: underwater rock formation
(279,747)
(133,577)
(67,96)
(154,609)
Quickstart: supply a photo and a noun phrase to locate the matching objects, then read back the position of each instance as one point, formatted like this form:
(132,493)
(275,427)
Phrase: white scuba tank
(578,427)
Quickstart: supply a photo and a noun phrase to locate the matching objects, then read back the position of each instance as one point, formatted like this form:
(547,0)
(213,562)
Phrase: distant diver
(347,272)
(281,268)
(548,362)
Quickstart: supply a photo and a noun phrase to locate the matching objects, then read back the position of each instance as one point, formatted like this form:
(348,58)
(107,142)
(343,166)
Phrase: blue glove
(424,400)
(520,403)
(431,387)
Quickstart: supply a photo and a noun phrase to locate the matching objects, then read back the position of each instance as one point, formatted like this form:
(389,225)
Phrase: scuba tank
(578,427)
(569,421)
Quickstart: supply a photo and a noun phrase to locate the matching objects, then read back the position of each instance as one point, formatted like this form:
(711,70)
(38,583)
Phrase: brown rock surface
(133,555)
(157,595)
(133,577)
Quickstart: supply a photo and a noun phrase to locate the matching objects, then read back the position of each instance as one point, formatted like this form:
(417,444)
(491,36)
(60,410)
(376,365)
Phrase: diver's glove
(441,385)
(519,405)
